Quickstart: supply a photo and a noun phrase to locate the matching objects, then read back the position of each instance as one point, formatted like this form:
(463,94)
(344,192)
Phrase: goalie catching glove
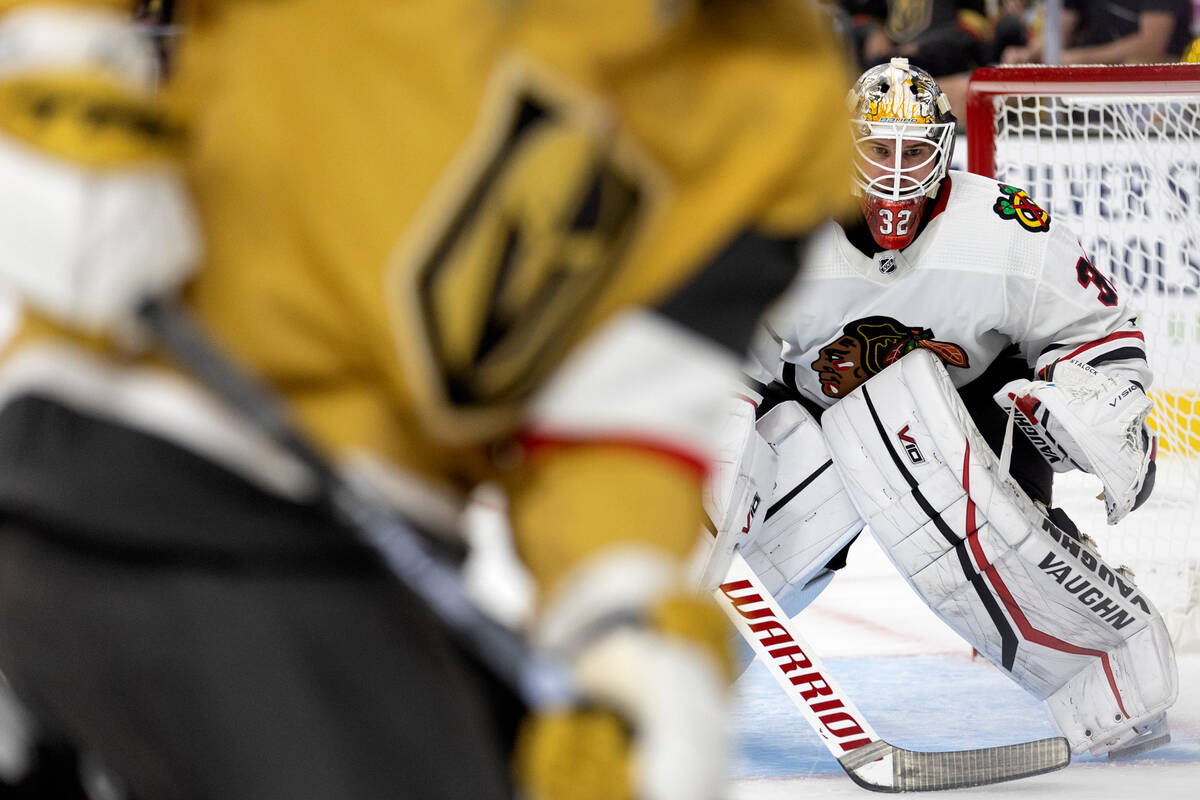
(1081,418)
(93,213)
(653,672)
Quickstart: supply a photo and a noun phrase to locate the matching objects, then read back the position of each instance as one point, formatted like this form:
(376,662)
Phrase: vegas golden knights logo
(908,19)
(544,222)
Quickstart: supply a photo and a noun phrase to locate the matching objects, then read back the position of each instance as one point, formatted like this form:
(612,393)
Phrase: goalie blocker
(1031,598)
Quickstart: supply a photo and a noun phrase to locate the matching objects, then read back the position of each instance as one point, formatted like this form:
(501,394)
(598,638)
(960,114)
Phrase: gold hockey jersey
(474,240)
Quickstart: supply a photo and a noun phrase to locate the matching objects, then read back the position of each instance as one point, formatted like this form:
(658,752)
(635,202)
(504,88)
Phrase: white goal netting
(1114,152)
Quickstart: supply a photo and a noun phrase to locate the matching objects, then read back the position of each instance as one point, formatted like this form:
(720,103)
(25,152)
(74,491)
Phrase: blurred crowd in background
(950,38)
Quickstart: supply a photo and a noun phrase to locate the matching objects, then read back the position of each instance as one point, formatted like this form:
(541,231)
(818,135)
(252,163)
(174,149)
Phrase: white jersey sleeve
(990,270)
(1074,311)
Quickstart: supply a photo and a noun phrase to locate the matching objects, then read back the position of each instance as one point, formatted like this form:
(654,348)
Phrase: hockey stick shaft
(766,628)
(539,682)
(870,761)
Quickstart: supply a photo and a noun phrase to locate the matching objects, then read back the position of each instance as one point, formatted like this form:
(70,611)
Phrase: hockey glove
(652,726)
(93,212)
(1085,419)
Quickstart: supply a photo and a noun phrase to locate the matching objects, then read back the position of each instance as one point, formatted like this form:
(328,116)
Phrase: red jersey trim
(538,442)
(1112,337)
(748,399)
(1028,630)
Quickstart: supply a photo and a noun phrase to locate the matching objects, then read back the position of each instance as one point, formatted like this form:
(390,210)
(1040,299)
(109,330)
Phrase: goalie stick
(870,761)
(540,682)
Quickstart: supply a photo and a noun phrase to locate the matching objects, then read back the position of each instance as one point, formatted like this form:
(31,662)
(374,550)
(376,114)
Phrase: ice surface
(917,684)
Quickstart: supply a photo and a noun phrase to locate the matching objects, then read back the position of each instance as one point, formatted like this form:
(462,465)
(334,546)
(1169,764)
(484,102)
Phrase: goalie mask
(903,135)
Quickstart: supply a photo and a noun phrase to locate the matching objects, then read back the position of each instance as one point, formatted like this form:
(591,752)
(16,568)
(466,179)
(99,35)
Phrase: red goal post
(1113,152)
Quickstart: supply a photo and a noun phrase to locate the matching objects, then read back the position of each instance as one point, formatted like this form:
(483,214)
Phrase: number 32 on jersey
(898,220)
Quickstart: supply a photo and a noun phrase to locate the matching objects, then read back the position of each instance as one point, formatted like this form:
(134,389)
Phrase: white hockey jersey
(991,269)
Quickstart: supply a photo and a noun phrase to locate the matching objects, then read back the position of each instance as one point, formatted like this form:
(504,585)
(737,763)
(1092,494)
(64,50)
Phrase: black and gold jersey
(446,231)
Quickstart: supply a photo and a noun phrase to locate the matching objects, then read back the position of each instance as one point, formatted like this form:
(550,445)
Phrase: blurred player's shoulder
(634,28)
(635,138)
(711,83)
(730,102)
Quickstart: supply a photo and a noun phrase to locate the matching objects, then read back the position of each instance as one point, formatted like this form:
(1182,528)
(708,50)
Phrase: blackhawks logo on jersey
(868,345)
(1014,203)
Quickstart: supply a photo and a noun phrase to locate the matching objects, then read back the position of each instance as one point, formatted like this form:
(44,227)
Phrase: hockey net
(1114,153)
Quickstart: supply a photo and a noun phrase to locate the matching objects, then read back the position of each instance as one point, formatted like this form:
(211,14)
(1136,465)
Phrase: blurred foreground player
(464,241)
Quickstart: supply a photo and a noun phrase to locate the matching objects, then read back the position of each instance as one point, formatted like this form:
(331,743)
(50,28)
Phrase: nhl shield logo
(887,265)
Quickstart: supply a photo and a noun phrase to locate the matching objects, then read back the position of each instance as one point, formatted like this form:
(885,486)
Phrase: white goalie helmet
(904,136)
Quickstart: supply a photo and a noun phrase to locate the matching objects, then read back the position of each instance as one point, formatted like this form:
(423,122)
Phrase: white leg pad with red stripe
(1041,606)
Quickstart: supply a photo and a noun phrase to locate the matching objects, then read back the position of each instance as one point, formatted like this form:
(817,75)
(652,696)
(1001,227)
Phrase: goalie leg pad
(737,491)
(1040,605)
(810,516)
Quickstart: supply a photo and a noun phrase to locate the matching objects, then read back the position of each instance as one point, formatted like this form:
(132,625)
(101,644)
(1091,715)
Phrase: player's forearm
(1116,52)
(575,501)
(1148,44)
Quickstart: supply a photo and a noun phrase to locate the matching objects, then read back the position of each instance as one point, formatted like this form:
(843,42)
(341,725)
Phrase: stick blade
(881,767)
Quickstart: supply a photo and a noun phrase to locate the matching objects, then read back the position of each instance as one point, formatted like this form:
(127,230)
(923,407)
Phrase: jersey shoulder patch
(1014,203)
